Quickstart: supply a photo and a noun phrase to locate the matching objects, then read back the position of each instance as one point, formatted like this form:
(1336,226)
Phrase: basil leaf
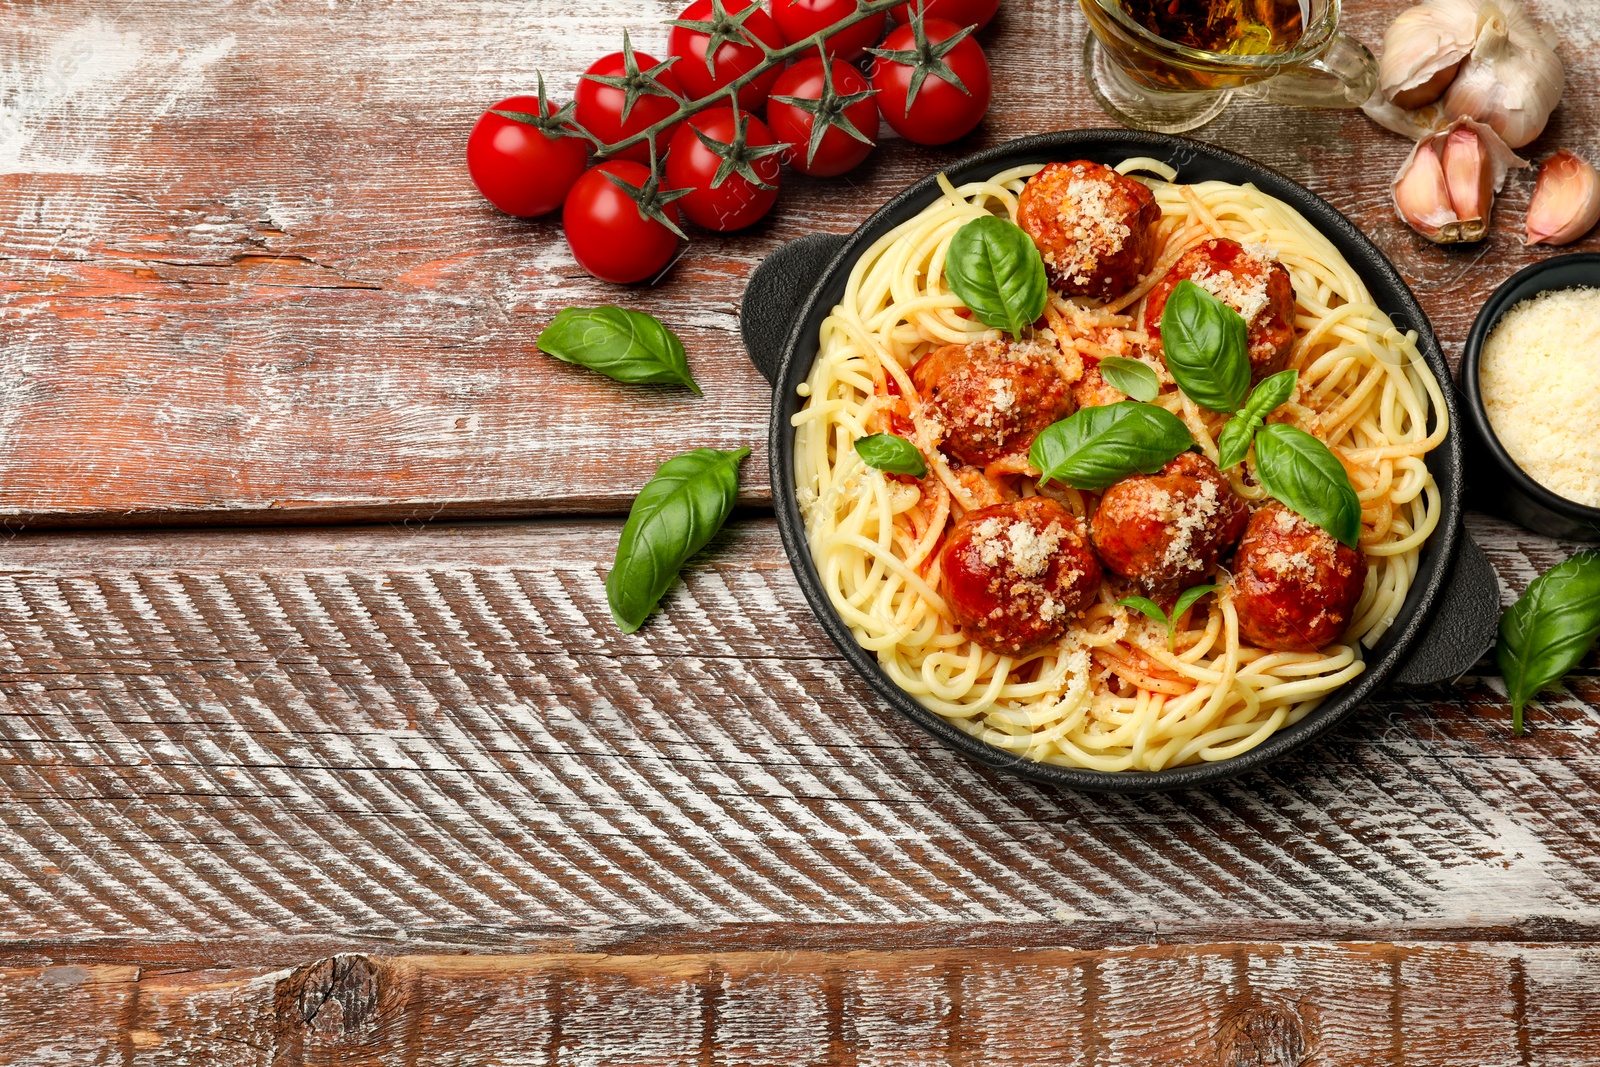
(1149,607)
(629,346)
(996,270)
(672,518)
(1298,470)
(1205,345)
(1094,447)
(1131,376)
(1152,609)
(1548,630)
(1233,444)
(1187,599)
(891,453)
(1272,394)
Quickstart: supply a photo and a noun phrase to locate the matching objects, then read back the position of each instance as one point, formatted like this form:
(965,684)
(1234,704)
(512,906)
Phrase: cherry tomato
(837,152)
(939,112)
(610,236)
(601,106)
(798,19)
(737,201)
(733,59)
(961,12)
(519,168)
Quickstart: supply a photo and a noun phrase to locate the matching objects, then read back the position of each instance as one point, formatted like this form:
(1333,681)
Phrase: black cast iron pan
(1449,618)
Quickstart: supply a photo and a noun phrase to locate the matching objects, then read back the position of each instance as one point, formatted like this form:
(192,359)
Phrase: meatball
(1015,573)
(1255,286)
(1094,227)
(1294,587)
(991,397)
(1092,390)
(1166,530)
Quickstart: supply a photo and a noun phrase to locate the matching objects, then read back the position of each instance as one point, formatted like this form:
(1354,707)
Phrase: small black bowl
(1496,483)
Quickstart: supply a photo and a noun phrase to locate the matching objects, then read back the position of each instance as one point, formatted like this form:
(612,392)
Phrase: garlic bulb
(1445,189)
(1512,79)
(1566,202)
(1480,59)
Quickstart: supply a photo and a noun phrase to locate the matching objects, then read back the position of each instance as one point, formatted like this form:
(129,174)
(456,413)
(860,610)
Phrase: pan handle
(776,294)
(1465,621)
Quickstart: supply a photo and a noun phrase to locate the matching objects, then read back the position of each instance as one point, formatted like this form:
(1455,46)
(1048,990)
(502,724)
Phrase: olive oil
(1225,27)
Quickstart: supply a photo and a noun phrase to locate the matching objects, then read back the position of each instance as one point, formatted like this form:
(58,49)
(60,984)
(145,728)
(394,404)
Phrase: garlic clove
(1467,174)
(1422,49)
(1429,91)
(1475,163)
(1566,201)
(1422,198)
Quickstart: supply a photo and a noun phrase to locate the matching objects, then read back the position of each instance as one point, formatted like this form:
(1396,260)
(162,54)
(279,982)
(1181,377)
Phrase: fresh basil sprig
(1185,601)
(672,518)
(1548,630)
(1205,342)
(892,453)
(1131,376)
(1094,447)
(629,346)
(1233,444)
(1298,470)
(996,270)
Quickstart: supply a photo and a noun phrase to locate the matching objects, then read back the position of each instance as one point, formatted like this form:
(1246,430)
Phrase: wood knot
(333,996)
(1266,1034)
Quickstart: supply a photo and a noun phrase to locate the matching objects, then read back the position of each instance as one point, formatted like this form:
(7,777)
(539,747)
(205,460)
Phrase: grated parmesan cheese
(1193,516)
(1001,394)
(1290,565)
(1540,377)
(1247,296)
(1088,221)
(1261,252)
(1018,543)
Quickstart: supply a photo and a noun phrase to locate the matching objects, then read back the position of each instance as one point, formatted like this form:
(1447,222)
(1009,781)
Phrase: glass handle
(1343,75)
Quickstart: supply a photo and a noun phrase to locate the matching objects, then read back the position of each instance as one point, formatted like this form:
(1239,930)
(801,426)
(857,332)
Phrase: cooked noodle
(1109,695)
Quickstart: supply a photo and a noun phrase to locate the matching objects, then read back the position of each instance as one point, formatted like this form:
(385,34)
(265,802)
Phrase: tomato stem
(774,57)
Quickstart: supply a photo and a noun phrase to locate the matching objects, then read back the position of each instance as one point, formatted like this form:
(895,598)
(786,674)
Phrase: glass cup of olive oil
(1173,65)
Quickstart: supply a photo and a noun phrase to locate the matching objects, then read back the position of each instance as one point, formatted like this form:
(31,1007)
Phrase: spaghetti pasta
(1111,694)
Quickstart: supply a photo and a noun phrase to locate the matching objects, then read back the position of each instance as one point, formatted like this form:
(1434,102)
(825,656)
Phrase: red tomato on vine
(620,226)
(521,164)
(799,19)
(932,81)
(625,93)
(718,29)
(728,162)
(826,114)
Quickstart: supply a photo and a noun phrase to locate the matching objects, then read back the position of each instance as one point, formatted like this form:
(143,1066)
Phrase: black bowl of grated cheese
(1530,377)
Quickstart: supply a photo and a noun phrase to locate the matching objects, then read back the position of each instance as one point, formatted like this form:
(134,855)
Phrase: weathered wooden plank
(404,732)
(232,297)
(43,1011)
(1231,1005)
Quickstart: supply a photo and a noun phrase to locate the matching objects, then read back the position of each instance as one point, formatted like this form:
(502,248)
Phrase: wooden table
(341,777)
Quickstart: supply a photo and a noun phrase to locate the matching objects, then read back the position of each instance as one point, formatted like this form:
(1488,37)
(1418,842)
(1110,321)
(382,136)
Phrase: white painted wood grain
(427,728)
